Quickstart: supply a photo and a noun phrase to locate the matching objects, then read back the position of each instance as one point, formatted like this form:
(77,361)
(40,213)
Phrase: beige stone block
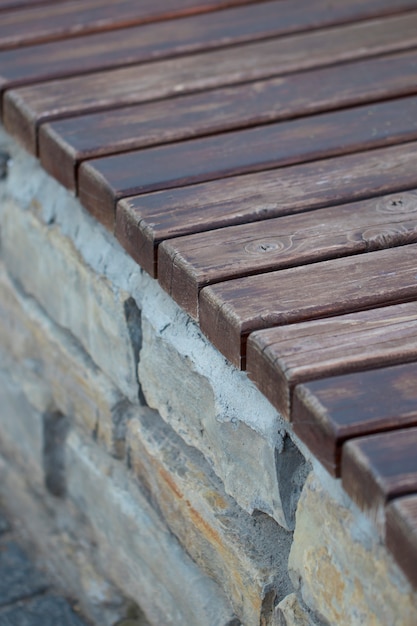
(342,569)
(289,612)
(246,555)
(101,317)
(55,372)
(136,549)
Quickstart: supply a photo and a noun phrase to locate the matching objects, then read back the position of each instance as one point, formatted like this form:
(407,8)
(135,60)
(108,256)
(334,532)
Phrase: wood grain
(379,468)
(401,534)
(102,182)
(65,143)
(165,39)
(280,358)
(187,264)
(7,5)
(25,108)
(72,18)
(326,413)
(145,221)
(230,311)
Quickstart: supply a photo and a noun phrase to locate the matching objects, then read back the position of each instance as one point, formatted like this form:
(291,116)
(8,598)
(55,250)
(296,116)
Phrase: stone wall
(151,472)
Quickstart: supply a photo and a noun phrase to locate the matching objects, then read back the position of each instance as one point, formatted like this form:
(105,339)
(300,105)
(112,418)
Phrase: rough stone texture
(147,559)
(45,611)
(55,372)
(289,612)
(18,578)
(239,433)
(49,268)
(344,573)
(246,555)
(21,429)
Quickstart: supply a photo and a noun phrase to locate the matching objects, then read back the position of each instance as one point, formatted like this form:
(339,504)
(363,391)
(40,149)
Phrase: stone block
(216,409)
(343,571)
(136,549)
(103,318)
(21,428)
(246,555)
(55,372)
(289,612)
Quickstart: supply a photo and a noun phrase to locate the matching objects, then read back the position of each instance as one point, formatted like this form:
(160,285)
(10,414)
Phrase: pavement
(27,597)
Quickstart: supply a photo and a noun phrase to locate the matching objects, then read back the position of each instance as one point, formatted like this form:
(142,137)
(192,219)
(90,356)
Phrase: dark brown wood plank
(72,18)
(102,182)
(379,468)
(143,222)
(401,534)
(326,413)
(64,144)
(187,264)
(230,311)
(121,47)
(280,358)
(7,5)
(25,108)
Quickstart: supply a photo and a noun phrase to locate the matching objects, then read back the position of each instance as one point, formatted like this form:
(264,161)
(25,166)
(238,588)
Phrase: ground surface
(27,597)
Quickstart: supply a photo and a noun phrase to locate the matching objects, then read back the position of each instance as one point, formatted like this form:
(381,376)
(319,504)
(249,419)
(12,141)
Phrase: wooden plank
(121,47)
(230,311)
(379,468)
(326,413)
(7,5)
(145,221)
(187,264)
(401,534)
(59,20)
(25,108)
(280,358)
(102,182)
(64,144)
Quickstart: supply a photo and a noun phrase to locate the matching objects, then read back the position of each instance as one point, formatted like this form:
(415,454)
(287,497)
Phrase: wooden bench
(259,160)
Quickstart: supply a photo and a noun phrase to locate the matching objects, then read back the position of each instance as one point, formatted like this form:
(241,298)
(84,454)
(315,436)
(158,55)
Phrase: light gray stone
(215,409)
(21,428)
(136,549)
(55,372)
(99,315)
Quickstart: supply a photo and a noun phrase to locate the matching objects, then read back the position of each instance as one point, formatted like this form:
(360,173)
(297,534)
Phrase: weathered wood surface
(26,107)
(7,5)
(102,182)
(71,18)
(143,222)
(64,144)
(165,39)
(326,413)
(280,358)
(379,468)
(401,533)
(230,311)
(187,264)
